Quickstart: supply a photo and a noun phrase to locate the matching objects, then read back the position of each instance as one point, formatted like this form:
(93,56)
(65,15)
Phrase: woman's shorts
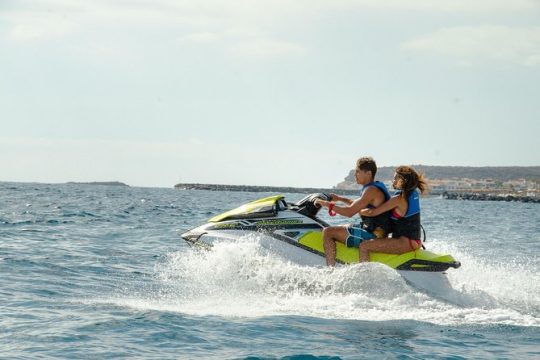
(357,235)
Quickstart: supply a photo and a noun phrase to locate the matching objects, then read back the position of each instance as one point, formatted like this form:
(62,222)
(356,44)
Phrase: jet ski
(294,231)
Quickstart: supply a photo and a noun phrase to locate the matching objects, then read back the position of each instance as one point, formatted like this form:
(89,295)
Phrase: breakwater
(489,197)
(100,183)
(254,188)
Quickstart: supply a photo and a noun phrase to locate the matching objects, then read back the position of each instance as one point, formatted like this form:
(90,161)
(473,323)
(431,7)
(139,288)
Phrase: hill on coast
(499,173)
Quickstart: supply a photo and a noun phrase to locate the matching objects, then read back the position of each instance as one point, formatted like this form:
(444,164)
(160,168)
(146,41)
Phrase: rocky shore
(489,197)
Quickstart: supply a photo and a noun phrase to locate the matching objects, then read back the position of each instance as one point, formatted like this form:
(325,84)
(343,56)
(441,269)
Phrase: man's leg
(330,236)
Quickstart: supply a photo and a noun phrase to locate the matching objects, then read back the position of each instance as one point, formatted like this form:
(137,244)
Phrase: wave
(243,279)
(513,281)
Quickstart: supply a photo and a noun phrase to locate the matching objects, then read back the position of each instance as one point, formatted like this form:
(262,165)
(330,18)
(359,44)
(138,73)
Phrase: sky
(283,93)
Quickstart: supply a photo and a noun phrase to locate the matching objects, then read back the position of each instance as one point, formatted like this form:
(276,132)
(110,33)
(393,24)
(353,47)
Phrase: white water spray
(242,279)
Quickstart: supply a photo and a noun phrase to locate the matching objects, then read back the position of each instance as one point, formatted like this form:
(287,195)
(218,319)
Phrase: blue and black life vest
(409,224)
(381,221)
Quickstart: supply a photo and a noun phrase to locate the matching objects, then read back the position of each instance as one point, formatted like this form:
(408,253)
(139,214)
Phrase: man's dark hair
(367,164)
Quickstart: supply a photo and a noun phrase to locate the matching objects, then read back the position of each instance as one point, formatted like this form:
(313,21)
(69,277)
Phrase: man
(373,194)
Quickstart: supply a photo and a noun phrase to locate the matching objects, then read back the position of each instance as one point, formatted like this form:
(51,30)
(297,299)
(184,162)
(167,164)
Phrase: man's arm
(355,206)
(345,200)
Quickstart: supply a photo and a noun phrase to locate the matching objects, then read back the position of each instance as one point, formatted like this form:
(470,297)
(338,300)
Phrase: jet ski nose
(192,236)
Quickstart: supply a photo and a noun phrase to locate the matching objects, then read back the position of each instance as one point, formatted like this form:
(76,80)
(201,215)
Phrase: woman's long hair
(409,180)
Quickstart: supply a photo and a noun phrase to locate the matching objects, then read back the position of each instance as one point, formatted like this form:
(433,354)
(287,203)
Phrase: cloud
(478,45)
(244,44)
(55,18)
(264,49)
(46,26)
(239,29)
(442,6)
(200,38)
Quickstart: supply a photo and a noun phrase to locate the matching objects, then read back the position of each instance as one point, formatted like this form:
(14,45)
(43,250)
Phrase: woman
(405,218)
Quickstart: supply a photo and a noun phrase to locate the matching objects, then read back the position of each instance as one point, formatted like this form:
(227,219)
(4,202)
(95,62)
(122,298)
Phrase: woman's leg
(330,236)
(387,245)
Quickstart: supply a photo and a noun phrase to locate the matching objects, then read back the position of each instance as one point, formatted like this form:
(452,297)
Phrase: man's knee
(329,232)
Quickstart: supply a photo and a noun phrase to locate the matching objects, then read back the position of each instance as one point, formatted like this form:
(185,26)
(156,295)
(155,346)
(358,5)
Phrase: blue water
(100,272)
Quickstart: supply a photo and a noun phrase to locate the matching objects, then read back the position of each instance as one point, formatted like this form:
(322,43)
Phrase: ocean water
(101,272)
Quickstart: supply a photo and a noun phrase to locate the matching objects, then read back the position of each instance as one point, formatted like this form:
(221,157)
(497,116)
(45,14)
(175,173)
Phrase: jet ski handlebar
(307,207)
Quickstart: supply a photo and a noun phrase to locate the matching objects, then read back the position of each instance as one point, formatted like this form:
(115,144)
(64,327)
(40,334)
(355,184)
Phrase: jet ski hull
(432,282)
(296,235)
(307,241)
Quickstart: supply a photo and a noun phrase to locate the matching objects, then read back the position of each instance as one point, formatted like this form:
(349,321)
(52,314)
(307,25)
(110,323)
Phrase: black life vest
(381,221)
(409,224)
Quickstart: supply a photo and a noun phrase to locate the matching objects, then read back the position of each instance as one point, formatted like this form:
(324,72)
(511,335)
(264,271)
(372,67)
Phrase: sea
(100,272)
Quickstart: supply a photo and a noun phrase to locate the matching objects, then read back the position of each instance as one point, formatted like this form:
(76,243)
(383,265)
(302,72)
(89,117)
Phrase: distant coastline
(254,188)
(279,189)
(107,183)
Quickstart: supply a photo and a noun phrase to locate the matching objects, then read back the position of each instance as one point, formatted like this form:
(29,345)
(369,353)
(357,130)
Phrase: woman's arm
(392,203)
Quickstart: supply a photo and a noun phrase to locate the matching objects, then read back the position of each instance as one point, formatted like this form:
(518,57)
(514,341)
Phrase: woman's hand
(366,212)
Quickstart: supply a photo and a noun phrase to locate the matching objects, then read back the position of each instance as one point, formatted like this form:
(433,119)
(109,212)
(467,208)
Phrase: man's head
(366,168)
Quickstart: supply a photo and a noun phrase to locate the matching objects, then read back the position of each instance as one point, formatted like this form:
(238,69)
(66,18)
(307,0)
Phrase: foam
(510,281)
(242,279)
